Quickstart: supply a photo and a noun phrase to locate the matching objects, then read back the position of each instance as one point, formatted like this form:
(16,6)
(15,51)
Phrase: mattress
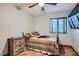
(50,38)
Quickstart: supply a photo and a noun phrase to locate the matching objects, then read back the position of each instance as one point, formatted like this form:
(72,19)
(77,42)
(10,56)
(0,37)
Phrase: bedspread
(43,44)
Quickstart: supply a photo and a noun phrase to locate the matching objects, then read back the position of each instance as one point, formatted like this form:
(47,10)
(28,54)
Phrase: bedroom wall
(75,36)
(12,23)
(42,26)
(75,32)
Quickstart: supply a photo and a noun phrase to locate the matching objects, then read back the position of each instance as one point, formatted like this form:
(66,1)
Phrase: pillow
(32,34)
(36,33)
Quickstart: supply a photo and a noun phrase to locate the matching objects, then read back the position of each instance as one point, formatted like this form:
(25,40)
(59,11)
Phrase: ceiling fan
(42,5)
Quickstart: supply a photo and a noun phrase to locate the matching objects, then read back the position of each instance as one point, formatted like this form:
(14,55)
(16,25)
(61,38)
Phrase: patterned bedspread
(54,39)
(43,44)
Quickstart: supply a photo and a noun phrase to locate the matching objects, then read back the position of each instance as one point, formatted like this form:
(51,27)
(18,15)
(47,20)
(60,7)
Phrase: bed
(43,43)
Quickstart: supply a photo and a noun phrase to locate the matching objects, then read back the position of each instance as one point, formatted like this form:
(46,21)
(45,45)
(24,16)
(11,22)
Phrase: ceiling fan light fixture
(41,4)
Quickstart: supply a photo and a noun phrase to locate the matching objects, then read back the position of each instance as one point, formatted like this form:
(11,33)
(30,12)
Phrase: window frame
(73,27)
(65,32)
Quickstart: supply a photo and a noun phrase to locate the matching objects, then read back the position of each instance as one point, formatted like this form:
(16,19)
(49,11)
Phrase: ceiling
(36,10)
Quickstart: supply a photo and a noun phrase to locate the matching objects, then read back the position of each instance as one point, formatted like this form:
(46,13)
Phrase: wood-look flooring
(67,51)
(30,53)
(63,51)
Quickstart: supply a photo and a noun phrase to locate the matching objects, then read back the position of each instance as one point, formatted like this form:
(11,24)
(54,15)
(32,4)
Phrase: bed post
(57,38)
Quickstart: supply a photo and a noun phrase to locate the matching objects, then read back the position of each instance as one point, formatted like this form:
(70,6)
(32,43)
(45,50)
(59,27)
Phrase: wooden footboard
(43,45)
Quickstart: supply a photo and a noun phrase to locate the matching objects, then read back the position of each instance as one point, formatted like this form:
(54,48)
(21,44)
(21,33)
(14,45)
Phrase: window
(71,23)
(74,21)
(58,25)
(53,25)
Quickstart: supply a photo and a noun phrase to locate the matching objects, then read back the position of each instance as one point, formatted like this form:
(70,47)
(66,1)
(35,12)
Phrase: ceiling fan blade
(33,5)
(51,3)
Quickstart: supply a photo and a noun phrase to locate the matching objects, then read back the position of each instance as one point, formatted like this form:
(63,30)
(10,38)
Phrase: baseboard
(65,45)
(74,50)
(71,47)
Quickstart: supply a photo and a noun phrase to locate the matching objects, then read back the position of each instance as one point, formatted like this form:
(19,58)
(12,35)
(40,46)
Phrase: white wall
(12,23)
(42,26)
(75,36)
